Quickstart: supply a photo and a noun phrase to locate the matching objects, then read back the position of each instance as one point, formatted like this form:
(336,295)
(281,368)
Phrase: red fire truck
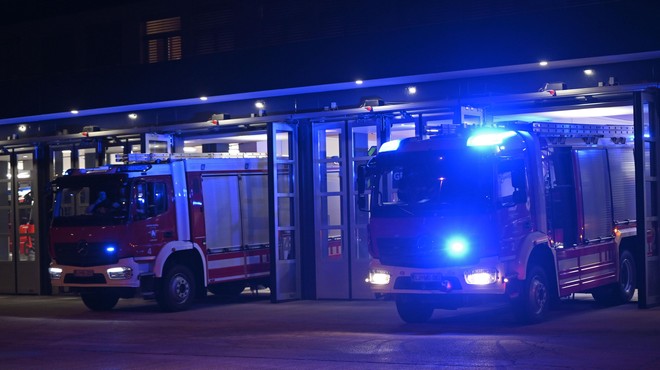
(529,213)
(164,226)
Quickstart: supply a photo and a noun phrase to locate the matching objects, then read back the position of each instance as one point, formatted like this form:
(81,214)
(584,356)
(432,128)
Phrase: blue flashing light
(110,249)
(490,138)
(457,247)
(390,146)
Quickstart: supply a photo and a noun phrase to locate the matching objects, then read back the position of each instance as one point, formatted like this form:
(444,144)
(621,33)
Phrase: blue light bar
(390,146)
(490,138)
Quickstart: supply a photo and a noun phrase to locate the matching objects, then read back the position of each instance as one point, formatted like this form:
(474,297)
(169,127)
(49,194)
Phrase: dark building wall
(80,54)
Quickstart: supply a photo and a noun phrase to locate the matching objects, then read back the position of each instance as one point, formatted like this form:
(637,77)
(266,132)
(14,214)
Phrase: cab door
(513,202)
(154,216)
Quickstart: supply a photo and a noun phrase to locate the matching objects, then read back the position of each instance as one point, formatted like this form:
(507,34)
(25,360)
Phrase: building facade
(315,86)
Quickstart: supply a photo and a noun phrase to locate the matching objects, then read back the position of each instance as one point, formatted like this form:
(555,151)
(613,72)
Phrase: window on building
(163,40)
(214,32)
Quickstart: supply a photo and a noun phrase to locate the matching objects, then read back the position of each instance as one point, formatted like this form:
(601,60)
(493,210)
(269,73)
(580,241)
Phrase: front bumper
(126,273)
(487,277)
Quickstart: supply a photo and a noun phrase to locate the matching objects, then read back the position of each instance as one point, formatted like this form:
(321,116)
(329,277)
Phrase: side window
(511,183)
(151,199)
(158,193)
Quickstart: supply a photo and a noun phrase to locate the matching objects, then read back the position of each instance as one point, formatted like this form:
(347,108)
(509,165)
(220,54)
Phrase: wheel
(176,289)
(533,304)
(227,290)
(103,301)
(413,311)
(622,291)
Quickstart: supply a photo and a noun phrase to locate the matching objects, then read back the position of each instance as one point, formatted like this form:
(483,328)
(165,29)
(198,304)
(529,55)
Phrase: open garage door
(284,211)
(647,168)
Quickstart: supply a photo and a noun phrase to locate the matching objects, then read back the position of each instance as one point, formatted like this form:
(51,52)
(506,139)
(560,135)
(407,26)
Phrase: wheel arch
(186,254)
(543,256)
(535,250)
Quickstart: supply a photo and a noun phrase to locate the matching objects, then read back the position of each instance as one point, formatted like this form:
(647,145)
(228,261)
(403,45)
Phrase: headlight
(378,277)
(117,273)
(55,273)
(480,276)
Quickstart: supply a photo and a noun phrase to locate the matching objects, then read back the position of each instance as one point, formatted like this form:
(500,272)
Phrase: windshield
(434,180)
(90,200)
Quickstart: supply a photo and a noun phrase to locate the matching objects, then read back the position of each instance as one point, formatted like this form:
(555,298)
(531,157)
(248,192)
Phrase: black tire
(533,304)
(104,301)
(413,311)
(176,289)
(623,291)
(227,290)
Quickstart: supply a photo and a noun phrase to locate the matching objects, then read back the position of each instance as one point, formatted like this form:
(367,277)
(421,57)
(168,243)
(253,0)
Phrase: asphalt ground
(58,332)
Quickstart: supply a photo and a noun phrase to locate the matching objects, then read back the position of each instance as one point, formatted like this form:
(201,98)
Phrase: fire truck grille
(417,253)
(83,254)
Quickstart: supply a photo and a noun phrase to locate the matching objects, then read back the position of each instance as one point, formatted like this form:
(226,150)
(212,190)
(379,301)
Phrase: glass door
(330,211)
(7,250)
(363,137)
(19,249)
(647,170)
(283,208)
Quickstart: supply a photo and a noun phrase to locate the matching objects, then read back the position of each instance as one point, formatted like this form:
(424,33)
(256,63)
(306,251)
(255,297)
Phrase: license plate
(83,273)
(421,277)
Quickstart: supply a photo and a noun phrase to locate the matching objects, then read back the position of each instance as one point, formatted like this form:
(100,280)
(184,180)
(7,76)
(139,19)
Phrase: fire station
(313,137)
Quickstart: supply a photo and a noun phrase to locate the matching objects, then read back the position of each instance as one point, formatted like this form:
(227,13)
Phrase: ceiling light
(203,98)
(359,82)
(74,111)
(543,63)
(260,104)
(132,116)
(22,128)
(411,90)
(589,72)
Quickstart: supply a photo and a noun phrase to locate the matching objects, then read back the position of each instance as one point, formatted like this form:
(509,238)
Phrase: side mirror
(519,196)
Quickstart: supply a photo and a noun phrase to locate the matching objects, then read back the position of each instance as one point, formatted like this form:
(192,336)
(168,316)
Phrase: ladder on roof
(167,157)
(581,130)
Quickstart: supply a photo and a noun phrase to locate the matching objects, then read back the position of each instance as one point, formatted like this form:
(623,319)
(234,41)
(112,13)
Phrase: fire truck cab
(162,226)
(527,213)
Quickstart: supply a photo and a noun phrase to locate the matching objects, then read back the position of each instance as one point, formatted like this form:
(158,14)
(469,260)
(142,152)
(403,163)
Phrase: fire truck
(161,226)
(527,213)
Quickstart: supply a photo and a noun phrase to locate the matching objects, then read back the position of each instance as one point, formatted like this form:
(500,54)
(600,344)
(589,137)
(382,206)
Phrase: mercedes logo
(82,249)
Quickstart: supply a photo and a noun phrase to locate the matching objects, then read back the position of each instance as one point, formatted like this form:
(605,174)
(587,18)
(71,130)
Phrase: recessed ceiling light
(543,63)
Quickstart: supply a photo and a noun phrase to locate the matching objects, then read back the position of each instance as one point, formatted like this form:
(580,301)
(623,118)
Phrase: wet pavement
(58,332)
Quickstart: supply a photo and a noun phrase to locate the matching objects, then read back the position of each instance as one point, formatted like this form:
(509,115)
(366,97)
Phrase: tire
(104,301)
(227,290)
(533,304)
(623,291)
(413,311)
(176,289)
